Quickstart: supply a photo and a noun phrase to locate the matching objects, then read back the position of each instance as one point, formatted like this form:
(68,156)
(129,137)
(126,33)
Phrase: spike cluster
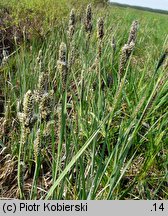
(44,97)
(28,108)
(5,57)
(128,48)
(113,44)
(62,64)
(71,56)
(43,82)
(100,28)
(38,62)
(42,86)
(71,27)
(100,35)
(47,131)
(27,117)
(88,20)
(133,32)
(125,54)
(46,105)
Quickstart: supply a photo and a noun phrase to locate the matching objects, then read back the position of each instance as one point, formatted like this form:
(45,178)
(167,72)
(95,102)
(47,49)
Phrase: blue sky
(158,4)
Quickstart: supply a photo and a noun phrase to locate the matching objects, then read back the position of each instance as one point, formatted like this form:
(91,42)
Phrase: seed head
(72,18)
(100,28)
(38,62)
(71,32)
(28,108)
(62,63)
(89,12)
(47,131)
(113,44)
(72,21)
(21,117)
(62,53)
(125,54)
(130,49)
(39,55)
(88,19)
(5,57)
(162,60)
(43,82)
(46,106)
(58,118)
(71,57)
(133,32)
(42,86)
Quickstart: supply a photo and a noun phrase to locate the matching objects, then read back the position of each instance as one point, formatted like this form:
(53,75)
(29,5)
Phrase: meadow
(83,92)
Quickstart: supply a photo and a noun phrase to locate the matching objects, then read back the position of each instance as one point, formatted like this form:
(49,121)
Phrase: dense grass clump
(84,108)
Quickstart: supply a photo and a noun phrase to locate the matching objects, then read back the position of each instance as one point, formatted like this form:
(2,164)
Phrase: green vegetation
(83,116)
(140,8)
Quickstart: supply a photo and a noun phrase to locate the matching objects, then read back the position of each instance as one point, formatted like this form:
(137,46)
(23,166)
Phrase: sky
(156,4)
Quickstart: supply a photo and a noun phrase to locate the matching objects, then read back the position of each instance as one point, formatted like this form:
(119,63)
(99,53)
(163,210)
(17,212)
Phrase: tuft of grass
(85,107)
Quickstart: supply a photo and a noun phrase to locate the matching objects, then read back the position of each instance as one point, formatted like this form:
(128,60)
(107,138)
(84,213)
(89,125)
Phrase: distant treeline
(140,8)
